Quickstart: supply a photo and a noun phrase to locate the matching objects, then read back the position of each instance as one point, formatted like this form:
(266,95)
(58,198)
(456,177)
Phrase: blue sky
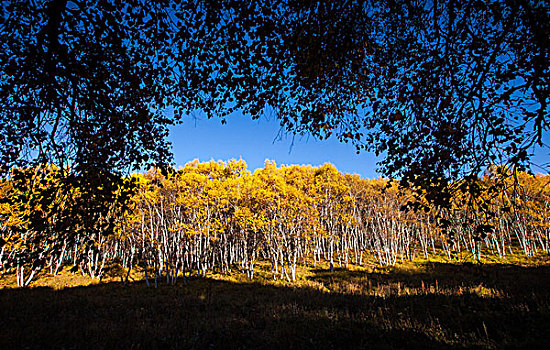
(257,140)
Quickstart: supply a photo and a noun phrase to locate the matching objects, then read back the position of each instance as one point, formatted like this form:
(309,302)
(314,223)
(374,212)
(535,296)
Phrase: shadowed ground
(436,305)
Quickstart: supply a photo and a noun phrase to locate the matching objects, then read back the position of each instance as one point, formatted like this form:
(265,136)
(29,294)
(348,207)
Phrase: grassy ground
(428,304)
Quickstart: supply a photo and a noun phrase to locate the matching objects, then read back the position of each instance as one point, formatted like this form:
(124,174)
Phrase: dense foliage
(219,216)
(442,89)
(79,85)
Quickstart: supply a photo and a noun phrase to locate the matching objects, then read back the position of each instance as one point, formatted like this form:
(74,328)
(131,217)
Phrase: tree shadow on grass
(506,280)
(493,305)
(209,313)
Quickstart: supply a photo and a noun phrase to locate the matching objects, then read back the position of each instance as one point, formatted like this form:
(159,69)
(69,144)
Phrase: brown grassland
(428,304)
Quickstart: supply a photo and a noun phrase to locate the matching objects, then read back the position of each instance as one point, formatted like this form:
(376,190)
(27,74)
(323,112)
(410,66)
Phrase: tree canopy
(80,84)
(441,89)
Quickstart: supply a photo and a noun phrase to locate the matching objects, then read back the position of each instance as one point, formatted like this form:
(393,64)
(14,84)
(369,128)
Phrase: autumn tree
(47,217)
(80,89)
(441,89)
(218,217)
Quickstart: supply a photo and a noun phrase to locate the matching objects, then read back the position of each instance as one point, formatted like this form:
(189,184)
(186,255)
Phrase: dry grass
(432,304)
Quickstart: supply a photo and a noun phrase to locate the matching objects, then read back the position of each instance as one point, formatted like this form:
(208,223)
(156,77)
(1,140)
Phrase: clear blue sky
(257,140)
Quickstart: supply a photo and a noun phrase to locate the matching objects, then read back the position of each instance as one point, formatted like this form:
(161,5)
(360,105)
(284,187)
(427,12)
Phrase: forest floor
(428,304)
